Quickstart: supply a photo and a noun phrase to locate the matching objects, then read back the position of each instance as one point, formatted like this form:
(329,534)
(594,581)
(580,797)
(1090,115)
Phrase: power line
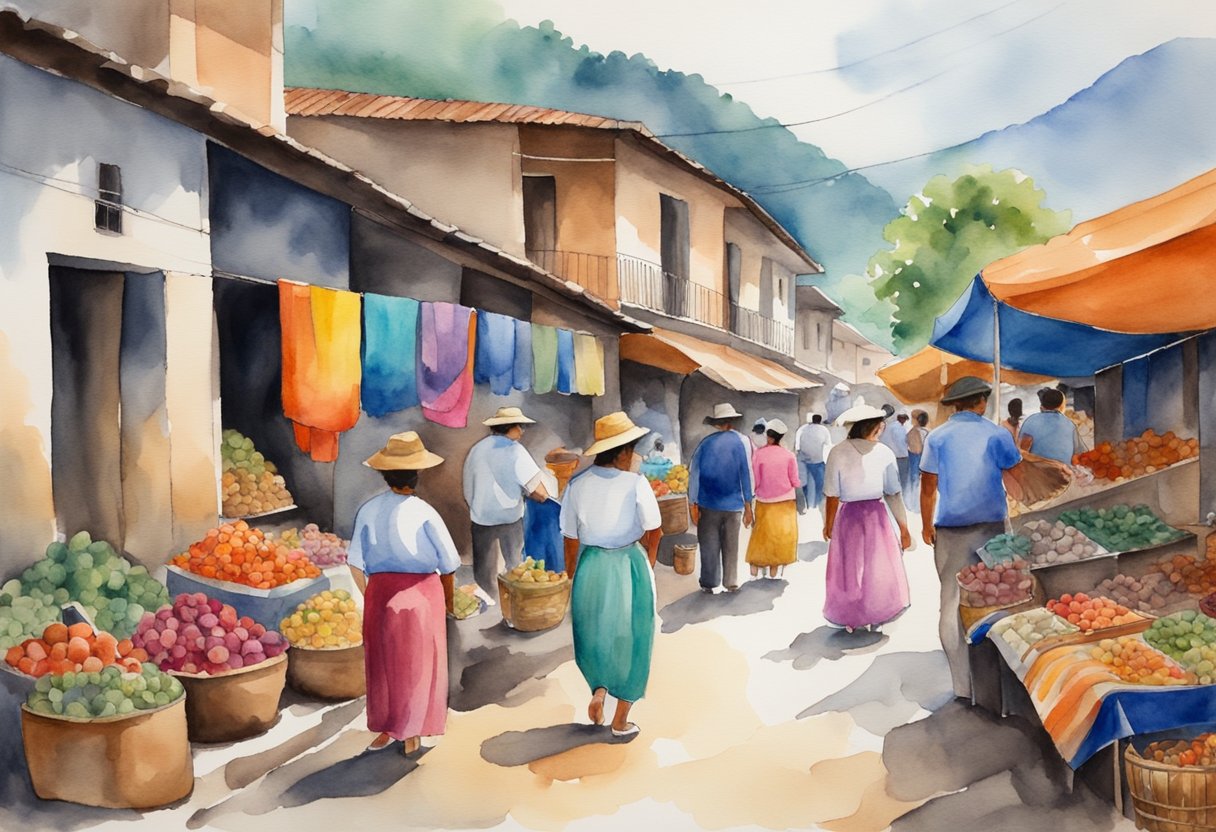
(872,102)
(868,58)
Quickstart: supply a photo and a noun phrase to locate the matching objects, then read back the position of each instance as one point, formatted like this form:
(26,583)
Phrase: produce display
(1023,629)
(1122,528)
(1133,661)
(107,692)
(675,481)
(198,634)
(114,593)
(1200,751)
(1189,575)
(1150,593)
(238,553)
(1189,638)
(1058,543)
(1091,613)
(533,572)
(465,602)
(250,483)
(1084,423)
(1007,547)
(326,620)
(1138,456)
(76,648)
(323,548)
(997,586)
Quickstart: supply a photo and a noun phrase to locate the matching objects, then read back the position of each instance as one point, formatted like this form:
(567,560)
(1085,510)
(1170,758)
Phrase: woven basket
(529,608)
(674,512)
(235,705)
(684,559)
(1170,798)
(332,674)
(970,615)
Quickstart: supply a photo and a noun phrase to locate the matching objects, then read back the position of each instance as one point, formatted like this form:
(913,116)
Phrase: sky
(918,74)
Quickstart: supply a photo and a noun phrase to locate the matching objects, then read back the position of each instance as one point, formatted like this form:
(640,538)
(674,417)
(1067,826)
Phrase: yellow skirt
(775,536)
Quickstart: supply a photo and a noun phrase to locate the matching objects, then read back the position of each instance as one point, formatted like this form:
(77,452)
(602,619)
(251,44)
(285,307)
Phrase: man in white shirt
(895,437)
(499,474)
(811,444)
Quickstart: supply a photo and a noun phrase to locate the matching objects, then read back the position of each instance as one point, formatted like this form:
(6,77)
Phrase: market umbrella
(924,376)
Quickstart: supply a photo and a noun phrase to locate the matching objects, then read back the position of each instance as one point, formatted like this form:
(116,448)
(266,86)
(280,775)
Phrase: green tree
(946,234)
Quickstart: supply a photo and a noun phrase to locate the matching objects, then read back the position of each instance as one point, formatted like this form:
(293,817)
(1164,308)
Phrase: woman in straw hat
(866,582)
(779,499)
(402,558)
(608,514)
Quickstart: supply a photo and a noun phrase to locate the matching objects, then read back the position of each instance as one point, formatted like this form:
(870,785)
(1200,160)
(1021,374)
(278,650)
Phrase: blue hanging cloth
(522,370)
(495,361)
(390,346)
(565,362)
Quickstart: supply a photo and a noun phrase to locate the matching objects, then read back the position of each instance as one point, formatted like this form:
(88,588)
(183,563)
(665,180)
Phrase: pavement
(759,716)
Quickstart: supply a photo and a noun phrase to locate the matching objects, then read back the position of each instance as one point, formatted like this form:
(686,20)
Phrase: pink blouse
(775,470)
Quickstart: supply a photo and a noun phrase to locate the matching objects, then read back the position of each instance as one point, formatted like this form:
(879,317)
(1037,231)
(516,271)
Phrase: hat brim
(717,420)
(508,420)
(631,435)
(958,397)
(415,462)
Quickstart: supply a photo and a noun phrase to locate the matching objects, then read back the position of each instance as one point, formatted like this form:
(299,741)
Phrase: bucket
(684,559)
(335,674)
(674,513)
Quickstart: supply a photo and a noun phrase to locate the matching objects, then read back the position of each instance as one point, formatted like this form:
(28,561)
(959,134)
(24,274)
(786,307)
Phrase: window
(108,214)
(819,335)
(865,362)
(806,334)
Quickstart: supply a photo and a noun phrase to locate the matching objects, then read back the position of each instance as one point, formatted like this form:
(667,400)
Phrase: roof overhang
(683,354)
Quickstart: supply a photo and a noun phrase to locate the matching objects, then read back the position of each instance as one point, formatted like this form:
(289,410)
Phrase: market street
(758,716)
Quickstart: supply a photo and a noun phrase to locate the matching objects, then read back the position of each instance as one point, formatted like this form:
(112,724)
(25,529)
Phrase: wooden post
(996,360)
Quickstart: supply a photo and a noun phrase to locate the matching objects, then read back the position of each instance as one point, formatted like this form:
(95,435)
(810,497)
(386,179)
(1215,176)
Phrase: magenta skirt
(866,581)
(405,641)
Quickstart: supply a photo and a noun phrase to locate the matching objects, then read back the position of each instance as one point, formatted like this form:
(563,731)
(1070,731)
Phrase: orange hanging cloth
(321,365)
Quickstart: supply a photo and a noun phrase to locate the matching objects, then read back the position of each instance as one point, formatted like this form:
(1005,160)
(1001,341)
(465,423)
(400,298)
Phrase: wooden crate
(1171,798)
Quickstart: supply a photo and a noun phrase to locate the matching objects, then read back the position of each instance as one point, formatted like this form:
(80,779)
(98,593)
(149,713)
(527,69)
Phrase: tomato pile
(240,554)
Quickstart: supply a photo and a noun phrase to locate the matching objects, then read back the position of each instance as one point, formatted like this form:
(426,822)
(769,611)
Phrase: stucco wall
(585,220)
(756,242)
(813,338)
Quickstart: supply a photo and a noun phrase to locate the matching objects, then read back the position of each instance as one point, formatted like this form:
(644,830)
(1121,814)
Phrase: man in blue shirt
(1049,433)
(720,496)
(963,462)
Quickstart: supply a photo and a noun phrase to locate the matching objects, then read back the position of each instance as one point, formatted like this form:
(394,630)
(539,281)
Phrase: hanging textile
(390,347)
(565,362)
(321,366)
(495,363)
(447,348)
(522,371)
(544,358)
(588,364)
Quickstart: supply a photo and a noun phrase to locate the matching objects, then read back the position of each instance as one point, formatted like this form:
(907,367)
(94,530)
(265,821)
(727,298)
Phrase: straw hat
(723,412)
(613,431)
(404,452)
(778,426)
(859,413)
(509,416)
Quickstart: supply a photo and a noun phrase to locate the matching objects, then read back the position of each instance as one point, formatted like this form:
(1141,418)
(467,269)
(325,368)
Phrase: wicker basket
(235,705)
(970,615)
(684,559)
(529,608)
(332,674)
(1170,798)
(674,512)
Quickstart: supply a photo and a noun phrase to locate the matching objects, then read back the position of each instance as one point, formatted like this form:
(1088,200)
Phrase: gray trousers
(488,543)
(955,548)
(718,537)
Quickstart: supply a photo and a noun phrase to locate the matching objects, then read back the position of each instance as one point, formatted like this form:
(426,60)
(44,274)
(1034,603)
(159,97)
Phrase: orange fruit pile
(1091,613)
(1133,661)
(1200,751)
(1197,577)
(1138,456)
(237,553)
(62,648)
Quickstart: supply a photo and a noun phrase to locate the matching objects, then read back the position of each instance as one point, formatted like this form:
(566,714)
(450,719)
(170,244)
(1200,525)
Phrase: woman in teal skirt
(610,519)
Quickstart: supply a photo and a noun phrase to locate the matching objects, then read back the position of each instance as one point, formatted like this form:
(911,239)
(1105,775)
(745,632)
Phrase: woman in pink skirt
(402,559)
(866,582)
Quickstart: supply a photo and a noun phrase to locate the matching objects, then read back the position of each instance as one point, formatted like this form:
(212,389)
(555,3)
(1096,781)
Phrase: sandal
(629,730)
(380,742)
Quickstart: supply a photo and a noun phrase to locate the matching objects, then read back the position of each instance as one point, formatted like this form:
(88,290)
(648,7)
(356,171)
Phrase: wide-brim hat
(404,452)
(613,431)
(965,388)
(859,413)
(722,412)
(508,416)
(777,426)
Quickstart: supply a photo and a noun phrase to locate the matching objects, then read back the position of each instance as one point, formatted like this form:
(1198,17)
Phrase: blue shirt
(1054,434)
(719,476)
(399,533)
(968,454)
(895,437)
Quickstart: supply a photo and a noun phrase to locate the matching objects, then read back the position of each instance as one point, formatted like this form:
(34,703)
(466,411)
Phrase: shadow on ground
(830,643)
(894,688)
(812,550)
(485,665)
(699,607)
(371,773)
(518,748)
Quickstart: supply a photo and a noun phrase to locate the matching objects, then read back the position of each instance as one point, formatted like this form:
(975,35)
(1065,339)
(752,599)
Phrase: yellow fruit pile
(533,572)
(464,602)
(677,479)
(327,620)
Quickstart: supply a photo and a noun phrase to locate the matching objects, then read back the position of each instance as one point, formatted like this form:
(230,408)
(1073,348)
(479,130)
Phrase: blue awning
(1035,344)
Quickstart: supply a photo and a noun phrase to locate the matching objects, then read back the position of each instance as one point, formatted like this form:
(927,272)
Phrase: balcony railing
(594,272)
(645,284)
(772,333)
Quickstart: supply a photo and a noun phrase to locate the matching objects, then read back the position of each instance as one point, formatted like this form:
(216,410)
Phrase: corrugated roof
(303,101)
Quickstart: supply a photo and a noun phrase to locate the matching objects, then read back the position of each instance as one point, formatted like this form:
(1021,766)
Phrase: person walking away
(1049,433)
(758,437)
(610,520)
(811,444)
(916,448)
(895,437)
(962,465)
(720,497)
(1014,423)
(499,474)
(779,501)
(402,559)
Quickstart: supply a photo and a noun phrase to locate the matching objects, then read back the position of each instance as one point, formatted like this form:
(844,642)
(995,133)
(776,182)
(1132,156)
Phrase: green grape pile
(1008,547)
(108,692)
(24,615)
(250,483)
(1121,528)
(1188,637)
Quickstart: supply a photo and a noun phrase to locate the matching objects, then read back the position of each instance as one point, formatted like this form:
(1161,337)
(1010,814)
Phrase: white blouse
(853,476)
(609,508)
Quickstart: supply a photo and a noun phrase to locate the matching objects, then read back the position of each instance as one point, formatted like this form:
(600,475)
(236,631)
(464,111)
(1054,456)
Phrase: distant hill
(1141,128)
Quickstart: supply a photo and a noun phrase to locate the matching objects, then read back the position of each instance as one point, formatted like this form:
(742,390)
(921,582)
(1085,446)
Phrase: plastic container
(331,674)
(235,705)
(268,607)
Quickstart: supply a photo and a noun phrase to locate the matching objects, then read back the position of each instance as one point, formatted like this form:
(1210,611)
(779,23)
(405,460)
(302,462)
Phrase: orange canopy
(684,354)
(1145,268)
(924,376)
